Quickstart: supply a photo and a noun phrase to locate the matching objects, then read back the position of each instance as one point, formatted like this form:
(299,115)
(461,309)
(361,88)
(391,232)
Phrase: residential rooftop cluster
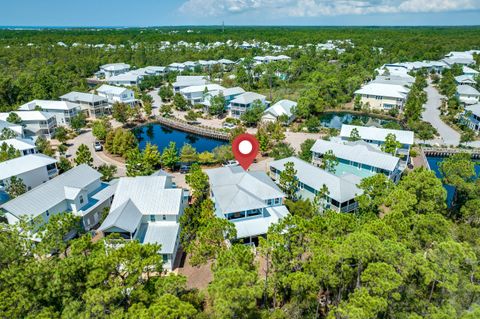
(391,87)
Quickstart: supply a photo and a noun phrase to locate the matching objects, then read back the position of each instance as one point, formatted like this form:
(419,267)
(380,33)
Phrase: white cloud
(313,8)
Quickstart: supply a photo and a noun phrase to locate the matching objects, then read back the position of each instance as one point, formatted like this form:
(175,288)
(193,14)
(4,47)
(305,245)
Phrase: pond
(336,119)
(434,163)
(161,136)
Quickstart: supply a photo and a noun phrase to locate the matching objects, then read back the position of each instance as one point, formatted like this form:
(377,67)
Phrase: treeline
(404,254)
(36,68)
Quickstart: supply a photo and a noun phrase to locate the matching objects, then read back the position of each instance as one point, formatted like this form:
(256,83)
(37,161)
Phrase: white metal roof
(236,190)
(383,89)
(52,192)
(126,216)
(360,152)
(149,194)
(83,97)
(281,107)
(201,88)
(110,89)
(258,226)
(248,97)
(18,129)
(24,164)
(19,144)
(115,67)
(467,90)
(48,105)
(341,189)
(465,79)
(163,233)
(475,109)
(29,115)
(377,134)
(469,70)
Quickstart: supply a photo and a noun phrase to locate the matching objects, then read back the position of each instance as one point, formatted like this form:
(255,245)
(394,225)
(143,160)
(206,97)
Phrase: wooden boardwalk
(194,129)
(445,152)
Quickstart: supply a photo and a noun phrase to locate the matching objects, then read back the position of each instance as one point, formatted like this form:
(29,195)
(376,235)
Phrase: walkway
(99,158)
(431,114)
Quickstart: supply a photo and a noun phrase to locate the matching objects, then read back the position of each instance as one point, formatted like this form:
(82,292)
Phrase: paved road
(157,101)
(431,114)
(99,158)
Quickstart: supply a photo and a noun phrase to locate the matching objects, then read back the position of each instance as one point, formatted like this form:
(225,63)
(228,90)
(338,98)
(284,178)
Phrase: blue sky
(238,12)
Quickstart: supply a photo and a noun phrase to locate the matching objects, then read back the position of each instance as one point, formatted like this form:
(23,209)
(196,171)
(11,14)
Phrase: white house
(469,71)
(79,190)
(117,94)
(248,199)
(148,209)
(465,80)
(358,158)
(33,169)
(35,123)
(113,69)
(64,111)
(184,81)
(178,67)
(93,105)
(24,146)
(282,107)
(126,79)
(377,136)
(342,190)
(467,94)
(243,102)
(403,80)
(16,128)
(382,96)
(198,93)
(472,116)
(462,58)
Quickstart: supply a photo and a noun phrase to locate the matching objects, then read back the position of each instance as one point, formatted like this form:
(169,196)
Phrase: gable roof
(465,79)
(18,129)
(341,189)
(19,144)
(236,190)
(115,66)
(359,151)
(75,96)
(110,89)
(24,164)
(377,134)
(475,109)
(383,89)
(48,105)
(467,90)
(52,192)
(150,194)
(248,97)
(126,216)
(27,116)
(281,107)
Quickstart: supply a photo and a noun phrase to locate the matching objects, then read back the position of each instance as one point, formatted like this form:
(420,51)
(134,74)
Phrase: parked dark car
(184,169)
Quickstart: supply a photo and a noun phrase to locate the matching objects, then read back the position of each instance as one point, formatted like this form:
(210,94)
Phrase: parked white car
(231,163)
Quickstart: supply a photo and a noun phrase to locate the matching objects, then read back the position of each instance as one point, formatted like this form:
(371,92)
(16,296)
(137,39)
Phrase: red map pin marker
(245,148)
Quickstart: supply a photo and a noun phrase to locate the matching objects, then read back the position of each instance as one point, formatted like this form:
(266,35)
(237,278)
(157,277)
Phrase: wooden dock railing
(194,129)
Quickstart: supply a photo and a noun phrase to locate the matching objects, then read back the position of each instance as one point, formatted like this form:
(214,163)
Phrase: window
(152,218)
(47,213)
(277,201)
(164,217)
(81,199)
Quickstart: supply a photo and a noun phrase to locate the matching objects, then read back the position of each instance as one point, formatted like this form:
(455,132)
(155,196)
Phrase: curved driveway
(431,114)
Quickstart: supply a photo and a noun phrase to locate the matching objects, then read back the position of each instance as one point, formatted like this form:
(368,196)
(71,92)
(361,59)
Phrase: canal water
(434,166)
(161,136)
(335,120)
